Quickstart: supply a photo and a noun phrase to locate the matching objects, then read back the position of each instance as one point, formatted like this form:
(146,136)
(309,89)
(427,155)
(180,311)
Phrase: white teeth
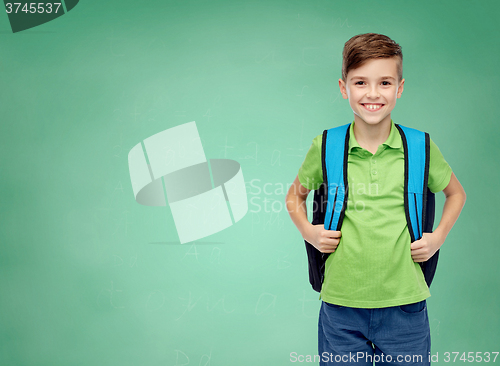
(373,106)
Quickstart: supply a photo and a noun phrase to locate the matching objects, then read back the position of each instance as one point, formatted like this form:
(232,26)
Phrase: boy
(373,294)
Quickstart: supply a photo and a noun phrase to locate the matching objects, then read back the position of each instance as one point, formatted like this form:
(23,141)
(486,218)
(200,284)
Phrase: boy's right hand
(326,241)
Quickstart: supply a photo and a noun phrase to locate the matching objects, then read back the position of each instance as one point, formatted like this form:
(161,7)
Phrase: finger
(420,257)
(333,234)
(424,251)
(329,250)
(416,257)
(330,241)
(328,245)
(416,251)
(417,244)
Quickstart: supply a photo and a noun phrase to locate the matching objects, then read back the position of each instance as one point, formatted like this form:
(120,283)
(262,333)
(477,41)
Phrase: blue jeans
(396,335)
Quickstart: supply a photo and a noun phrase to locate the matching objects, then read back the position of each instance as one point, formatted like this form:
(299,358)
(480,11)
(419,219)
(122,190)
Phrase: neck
(370,137)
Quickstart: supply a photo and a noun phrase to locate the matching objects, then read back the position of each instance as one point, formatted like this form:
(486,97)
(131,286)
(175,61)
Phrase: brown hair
(364,47)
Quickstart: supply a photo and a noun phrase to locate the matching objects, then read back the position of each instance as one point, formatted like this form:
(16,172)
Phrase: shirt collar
(393,140)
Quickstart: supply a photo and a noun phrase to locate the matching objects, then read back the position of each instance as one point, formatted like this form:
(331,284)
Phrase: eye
(386,83)
(359,82)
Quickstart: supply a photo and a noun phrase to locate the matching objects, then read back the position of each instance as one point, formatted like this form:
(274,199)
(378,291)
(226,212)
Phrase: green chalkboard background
(90,277)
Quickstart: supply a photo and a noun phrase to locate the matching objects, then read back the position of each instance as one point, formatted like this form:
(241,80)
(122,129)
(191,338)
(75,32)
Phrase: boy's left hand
(425,247)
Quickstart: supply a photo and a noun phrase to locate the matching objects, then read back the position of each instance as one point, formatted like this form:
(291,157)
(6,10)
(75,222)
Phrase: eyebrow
(382,78)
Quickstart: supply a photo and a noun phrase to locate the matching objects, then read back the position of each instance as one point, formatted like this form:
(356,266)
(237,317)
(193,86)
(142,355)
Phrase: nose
(373,92)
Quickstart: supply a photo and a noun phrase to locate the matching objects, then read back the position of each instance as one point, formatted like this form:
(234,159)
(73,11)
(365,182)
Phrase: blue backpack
(330,199)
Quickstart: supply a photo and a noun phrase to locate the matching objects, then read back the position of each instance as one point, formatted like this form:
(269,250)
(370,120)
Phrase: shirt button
(374,172)
(374,161)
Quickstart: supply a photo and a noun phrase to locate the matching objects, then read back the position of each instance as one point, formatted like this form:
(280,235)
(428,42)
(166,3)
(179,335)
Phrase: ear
(400,88)
(343,89)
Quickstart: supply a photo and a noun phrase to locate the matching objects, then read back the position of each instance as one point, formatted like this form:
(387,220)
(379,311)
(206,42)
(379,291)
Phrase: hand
(425,247)
(326,241)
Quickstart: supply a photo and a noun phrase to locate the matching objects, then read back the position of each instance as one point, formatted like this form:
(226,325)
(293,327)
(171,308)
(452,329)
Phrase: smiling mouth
(372,107)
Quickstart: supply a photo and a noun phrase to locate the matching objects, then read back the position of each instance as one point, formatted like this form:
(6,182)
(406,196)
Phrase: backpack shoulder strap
(416,152)
(334,160)
(316,259)
(419,200)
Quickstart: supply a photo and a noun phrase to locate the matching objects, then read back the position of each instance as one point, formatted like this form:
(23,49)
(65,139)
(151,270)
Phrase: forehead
(376,68)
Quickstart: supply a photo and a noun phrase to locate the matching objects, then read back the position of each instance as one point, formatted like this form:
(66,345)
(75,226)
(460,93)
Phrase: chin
(371,123)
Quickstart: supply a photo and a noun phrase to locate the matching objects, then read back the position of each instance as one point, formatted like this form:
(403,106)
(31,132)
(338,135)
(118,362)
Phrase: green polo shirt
(372,265)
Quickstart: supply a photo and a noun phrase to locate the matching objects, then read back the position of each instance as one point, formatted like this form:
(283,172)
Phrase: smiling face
(372,90)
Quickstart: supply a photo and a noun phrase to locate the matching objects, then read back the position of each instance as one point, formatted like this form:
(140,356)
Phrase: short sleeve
(311,171)
(439,170)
